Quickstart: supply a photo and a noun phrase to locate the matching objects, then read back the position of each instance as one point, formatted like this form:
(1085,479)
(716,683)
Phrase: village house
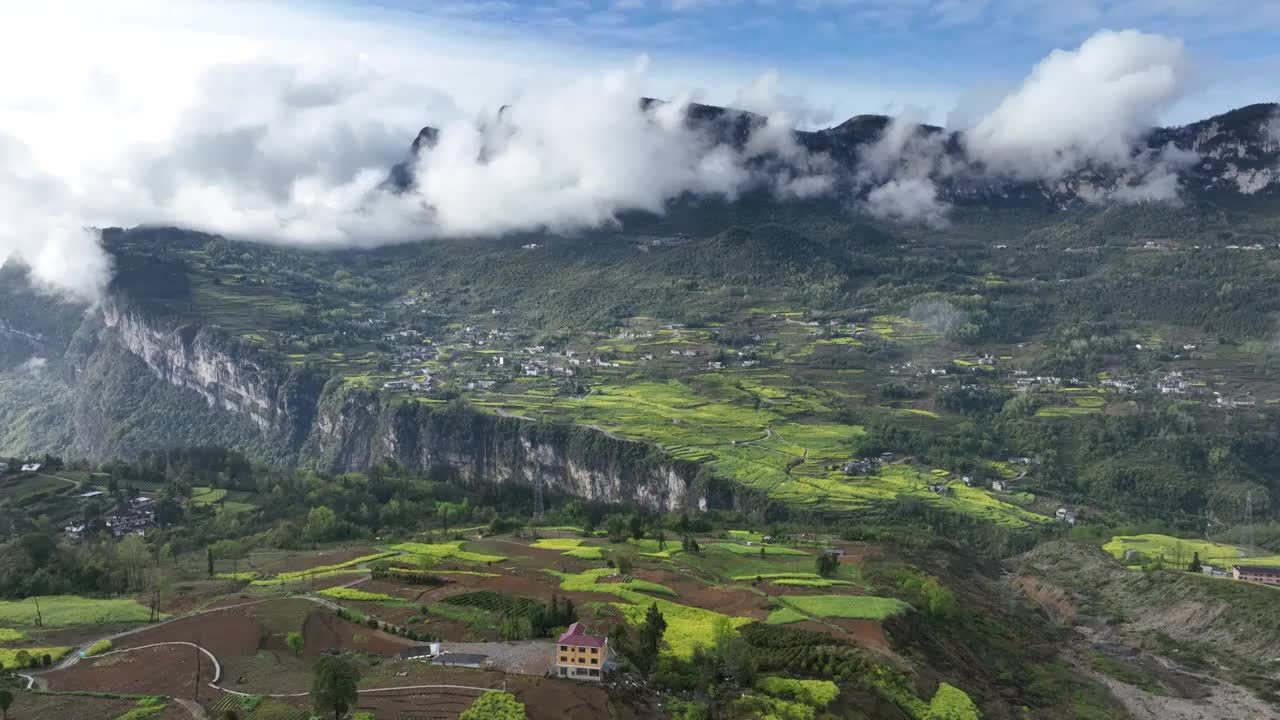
(421,652)
(1002,486)
(4,467)
(135,520)
(940,489)
(32,467)
(1066,516)
(865,466)
(580,656)
(1256,573)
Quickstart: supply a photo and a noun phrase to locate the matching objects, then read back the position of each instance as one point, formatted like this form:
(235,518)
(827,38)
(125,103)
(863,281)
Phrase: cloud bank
(288,145)
(1080,110)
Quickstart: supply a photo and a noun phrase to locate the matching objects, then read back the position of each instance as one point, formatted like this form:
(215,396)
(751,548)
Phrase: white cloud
(1157,177)
(289,138)
(1089,105)
(909,200)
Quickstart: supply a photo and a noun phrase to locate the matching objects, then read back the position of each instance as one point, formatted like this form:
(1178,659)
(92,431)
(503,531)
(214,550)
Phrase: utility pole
(196,692)
(1248,518)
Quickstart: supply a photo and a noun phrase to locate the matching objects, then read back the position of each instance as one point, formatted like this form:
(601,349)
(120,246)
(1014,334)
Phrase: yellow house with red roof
(580,656)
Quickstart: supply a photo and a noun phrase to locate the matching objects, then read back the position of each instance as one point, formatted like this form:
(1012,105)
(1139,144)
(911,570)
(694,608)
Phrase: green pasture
(64,610)
(1154,546)
(850,607)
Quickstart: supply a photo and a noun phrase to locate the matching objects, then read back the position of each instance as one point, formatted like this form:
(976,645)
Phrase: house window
(595,673)
(595,651)
(564,648)
(564,658)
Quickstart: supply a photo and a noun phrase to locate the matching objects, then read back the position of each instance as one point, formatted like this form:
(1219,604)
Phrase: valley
(789,459)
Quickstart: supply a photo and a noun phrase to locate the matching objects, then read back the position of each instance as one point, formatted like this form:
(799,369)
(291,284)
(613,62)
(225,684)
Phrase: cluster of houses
(6,467)
(135,518)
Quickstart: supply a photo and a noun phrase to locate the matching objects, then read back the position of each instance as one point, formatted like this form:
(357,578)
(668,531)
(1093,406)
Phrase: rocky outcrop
(339,427)
(355,429)
(227,375)
(190,357)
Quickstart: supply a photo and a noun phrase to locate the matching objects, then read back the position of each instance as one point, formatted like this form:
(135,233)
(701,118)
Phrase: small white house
(32,467)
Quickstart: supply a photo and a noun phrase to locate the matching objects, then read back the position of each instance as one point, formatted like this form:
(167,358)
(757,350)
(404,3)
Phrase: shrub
(495,705)
(343,593)
(817,693)
(98,648)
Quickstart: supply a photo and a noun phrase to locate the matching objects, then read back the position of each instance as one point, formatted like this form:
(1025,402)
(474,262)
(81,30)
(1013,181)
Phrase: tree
(616,526)
(1195,565)
(495,705)
(333,685)
(636,526)
(827,564)
(321,524)
(650,637)
(209,560)
(951,703)
(229,550)
(295,642)
(6,699)
(623,562)
(662,540)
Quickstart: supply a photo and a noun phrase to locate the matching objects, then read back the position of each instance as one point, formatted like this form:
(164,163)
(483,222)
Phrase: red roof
(575,636)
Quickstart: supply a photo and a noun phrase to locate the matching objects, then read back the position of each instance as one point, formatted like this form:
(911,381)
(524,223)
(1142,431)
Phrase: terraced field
(766,433)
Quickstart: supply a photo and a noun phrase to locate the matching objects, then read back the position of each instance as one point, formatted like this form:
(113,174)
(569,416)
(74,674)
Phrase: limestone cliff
(355,428)
(336,427)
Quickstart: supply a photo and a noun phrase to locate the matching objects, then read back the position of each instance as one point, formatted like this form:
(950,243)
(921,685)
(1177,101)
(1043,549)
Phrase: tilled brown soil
(166,670)
(324,631)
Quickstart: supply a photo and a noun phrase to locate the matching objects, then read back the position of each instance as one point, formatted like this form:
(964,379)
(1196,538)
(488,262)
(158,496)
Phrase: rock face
(354,430)
(188,357)
(343,429)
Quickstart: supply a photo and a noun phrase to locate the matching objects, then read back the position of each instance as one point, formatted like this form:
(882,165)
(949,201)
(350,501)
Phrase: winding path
(37,681)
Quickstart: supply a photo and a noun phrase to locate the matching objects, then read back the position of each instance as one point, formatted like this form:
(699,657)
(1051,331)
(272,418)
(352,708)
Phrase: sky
(276,120)
(867,56)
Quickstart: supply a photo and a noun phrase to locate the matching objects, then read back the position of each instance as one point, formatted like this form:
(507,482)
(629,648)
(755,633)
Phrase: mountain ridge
(1236,152)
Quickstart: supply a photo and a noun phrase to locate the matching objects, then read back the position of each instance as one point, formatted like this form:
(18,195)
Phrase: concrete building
(1256,573)
(466,660)
(580,656)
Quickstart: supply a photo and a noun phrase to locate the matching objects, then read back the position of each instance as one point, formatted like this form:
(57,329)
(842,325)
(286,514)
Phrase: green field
(323,570)
(852,607)
(687,627)
(344,593)
(1180,550)
(558,543)
(63,610)
(785,616)
(435,552)
(589,581)
(9,656)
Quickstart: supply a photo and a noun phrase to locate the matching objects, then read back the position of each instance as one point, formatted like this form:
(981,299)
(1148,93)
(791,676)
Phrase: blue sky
(844,54)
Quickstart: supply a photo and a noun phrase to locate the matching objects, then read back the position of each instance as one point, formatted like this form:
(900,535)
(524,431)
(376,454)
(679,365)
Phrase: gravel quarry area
(533,657)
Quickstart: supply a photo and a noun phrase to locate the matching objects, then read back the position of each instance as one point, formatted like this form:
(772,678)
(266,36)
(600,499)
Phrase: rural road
(77,483)
(37,681)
